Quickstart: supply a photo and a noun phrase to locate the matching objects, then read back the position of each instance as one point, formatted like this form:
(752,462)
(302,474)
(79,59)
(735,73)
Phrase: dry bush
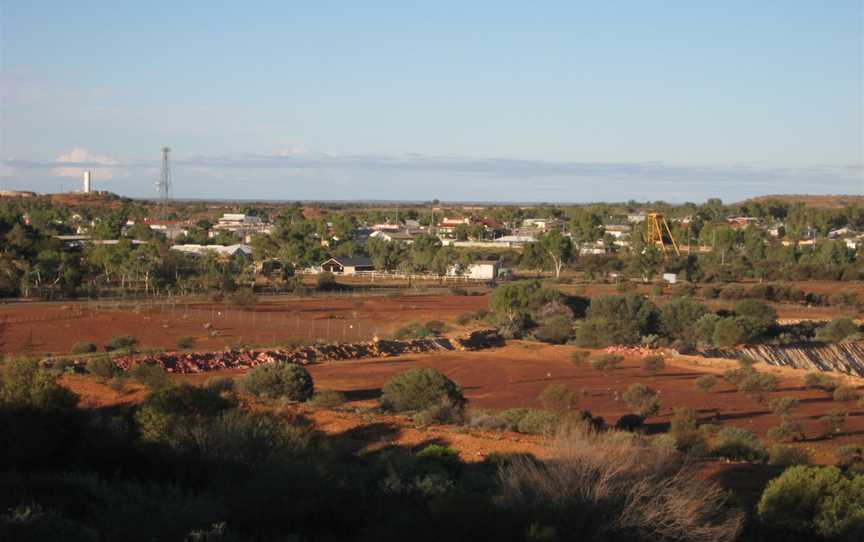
(607,486)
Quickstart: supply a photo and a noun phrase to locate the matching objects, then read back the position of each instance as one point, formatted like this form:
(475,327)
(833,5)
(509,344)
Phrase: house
(348,266)
(540,224)
(479,270)
(778,229)
(241,224)
(514,240)
(224,251)
(597,249)
(386,227)
(840,232)
(742,221)
(618,230)
(390,236)
(636,218)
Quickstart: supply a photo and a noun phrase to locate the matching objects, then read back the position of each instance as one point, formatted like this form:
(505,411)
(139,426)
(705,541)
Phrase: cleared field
(37,328)
(515,375)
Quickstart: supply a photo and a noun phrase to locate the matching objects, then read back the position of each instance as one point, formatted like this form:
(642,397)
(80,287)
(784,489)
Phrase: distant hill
(823,201)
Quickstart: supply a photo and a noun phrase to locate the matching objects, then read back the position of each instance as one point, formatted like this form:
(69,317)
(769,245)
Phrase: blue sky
(493,101)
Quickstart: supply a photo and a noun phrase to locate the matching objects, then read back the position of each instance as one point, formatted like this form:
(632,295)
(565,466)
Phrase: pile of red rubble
(631,350)
(197,362)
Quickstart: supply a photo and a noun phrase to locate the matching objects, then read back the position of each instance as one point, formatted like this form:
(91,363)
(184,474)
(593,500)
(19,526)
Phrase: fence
(384,275)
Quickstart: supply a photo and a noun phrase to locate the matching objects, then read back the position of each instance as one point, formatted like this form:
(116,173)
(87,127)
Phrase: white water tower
(86,182)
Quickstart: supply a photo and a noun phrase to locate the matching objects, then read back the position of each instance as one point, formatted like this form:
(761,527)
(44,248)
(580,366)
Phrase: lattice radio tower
(163,184)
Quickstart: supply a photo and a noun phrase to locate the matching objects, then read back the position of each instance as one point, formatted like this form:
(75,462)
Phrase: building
(242,225)
(348,266)
(390,236)
(841,232)
(618,231)
(742,221)
(224,251)
(479,270)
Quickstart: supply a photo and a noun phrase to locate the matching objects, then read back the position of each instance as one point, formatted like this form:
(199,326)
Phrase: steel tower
(163,184)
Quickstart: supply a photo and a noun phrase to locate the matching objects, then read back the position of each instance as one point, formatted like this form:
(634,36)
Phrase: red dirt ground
(515,375)
(37,328)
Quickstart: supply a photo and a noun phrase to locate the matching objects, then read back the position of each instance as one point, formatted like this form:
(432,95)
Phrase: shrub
(464,318)
(411,330)
(554,330)
(326,282)
(833,422)
(607,362)
(786,456)
(558,398)
(653,364)
(102,367)
(756,385)
(805,503)
(151,375)
(286,381)
(706,382)
(783,406)
(122,343)
(537,422)
(845,393)
(83,347)
(580,357)
(436,327)
(328,399)
(603,483)
(444,411)
(38,416)
(737,443)
(166,413)
(458,290)
(851,457)
(642,400)
(244,298)
(837,330)
(440,456)
(221,384)
(820,381)
(185,342)
(630,422)
(419,389)
(736,376)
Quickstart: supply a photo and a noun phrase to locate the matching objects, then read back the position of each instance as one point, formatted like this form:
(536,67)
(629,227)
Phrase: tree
(516,300)
(678,316)
(558,249)
(617,320)
(806,502)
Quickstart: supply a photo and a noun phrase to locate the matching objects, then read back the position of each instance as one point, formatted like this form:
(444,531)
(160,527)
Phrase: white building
(479,270)
(221,250)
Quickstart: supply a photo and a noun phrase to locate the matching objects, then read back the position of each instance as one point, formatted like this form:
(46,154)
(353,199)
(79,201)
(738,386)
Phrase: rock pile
(197,362)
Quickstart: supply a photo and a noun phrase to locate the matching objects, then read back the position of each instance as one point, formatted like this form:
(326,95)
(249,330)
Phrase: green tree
(807,502)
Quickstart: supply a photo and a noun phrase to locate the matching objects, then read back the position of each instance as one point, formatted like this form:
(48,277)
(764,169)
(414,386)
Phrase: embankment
(847,357)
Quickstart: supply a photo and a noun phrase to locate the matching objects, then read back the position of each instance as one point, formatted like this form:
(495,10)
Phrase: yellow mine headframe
(659,234)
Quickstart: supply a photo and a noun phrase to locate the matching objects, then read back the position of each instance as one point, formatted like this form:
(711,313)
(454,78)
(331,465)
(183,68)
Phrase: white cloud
(85,160)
